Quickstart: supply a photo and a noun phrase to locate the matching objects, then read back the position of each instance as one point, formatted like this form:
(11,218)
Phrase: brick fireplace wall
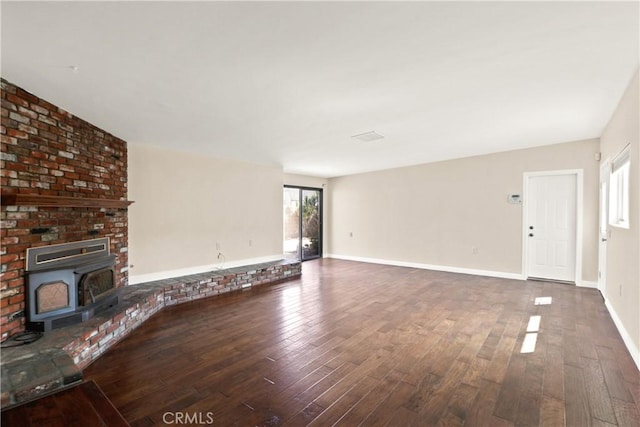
(46,150)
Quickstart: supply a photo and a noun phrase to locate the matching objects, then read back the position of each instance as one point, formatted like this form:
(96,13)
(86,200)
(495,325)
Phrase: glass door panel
(310,224)
(302,223)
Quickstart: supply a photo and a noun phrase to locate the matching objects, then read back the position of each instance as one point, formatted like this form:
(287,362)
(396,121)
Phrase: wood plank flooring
(353,344)
(81,405)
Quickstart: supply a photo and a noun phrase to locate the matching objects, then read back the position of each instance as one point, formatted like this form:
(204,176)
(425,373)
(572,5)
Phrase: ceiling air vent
(368,136)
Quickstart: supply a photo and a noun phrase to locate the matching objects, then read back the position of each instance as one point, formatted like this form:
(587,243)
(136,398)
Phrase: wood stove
(69,283)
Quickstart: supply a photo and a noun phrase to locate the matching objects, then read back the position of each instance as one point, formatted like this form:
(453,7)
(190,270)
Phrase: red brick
(42,107)
(28,223)
(8,140)
(8,258)
(10,241)
(7,106)
(42,126)
(28,129)
(15,282)
(26,96)
(12,327)
(18,167)
(49,133)
(13,308)
(17,299)
(17,133)
(9,275)
(96,338)
(17,100)
(26,112)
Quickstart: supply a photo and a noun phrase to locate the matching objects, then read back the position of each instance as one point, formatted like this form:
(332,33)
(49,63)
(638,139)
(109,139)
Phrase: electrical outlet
(351,234)
(475,250)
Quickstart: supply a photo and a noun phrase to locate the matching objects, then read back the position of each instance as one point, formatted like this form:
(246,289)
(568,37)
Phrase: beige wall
(436,213)
(623,247)
(186,203)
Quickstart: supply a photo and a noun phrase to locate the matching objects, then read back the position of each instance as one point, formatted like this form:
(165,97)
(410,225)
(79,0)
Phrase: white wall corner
(633,349)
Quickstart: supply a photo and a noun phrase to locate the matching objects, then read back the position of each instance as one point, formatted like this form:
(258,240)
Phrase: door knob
(530,234)
(531,227)
(604,239)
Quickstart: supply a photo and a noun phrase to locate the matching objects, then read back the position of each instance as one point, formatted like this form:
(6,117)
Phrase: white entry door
(551,229)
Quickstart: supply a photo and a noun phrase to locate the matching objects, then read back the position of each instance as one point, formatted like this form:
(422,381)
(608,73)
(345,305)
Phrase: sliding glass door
(302,215)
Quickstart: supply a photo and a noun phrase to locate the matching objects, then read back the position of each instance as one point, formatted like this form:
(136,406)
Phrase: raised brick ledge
(58,358)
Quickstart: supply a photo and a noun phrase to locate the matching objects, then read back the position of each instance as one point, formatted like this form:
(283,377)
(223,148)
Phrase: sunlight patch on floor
(529,343)
(534,324)
(542,301)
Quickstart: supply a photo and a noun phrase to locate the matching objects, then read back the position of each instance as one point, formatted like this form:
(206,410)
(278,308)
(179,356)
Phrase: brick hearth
(57,359)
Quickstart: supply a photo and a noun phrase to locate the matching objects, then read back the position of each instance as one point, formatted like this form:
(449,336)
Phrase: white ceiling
(289,83)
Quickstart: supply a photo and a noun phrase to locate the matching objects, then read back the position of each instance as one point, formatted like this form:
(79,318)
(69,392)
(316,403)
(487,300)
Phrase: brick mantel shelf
(61,201)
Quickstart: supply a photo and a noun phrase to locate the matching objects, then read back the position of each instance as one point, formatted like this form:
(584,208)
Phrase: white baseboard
(449,269)
(633,349)
(587,284)
(168,274)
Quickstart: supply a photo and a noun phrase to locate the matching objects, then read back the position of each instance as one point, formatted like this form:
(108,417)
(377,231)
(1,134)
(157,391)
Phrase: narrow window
(619,186)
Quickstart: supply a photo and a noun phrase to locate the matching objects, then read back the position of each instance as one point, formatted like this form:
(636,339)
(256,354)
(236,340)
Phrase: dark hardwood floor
(361,344)
(81,405)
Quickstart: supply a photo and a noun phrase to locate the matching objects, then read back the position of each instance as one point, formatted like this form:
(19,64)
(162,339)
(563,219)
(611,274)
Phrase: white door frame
(579,174)
(605,170)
